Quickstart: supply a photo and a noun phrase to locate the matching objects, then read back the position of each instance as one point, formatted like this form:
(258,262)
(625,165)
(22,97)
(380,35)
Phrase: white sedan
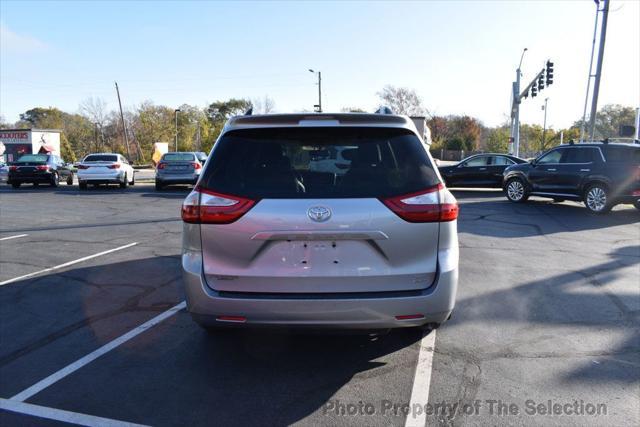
(105,168)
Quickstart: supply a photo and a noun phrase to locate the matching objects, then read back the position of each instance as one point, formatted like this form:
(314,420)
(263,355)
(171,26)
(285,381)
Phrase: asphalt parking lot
(547,313)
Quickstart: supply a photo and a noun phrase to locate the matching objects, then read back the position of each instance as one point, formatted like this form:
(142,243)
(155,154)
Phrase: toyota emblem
(319,213)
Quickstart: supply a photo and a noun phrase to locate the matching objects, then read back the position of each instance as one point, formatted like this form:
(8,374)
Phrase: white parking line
(57,376)
(66,264)
(421,382)
(13,237)
(61,415)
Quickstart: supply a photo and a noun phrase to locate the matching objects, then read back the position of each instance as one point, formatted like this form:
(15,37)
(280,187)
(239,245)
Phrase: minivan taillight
(434,204)
(204,206)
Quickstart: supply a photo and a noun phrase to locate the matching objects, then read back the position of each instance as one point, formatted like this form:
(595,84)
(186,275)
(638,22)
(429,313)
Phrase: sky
(459,56)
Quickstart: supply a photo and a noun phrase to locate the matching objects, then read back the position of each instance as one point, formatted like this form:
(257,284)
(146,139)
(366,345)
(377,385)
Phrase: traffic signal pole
(537,84)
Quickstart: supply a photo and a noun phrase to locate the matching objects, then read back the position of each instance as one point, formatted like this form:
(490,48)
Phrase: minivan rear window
(101,158)
(178,157)
(331,162)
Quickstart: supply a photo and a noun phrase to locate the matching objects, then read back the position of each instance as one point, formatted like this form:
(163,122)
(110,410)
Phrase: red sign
(14,135)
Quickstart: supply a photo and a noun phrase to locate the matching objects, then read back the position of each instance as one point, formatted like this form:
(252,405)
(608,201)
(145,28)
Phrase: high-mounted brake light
(204,206)
(434,204)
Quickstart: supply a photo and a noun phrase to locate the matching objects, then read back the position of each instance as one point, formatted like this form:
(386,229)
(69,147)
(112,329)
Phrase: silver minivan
(271,239)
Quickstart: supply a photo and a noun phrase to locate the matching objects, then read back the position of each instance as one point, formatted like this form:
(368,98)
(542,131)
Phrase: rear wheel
(55,180)
(596,198)
(133,180)
(82,185)
(637,205)
(516,190)
(124,182)
(159,186)
(16,184)
(70,179)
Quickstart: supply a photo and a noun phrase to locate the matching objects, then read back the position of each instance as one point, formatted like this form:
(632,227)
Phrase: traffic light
(541,82)
(549,72)
(534,91)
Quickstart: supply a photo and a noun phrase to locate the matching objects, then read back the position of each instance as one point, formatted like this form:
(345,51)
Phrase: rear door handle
(585,170)
(483,169)
(551,170)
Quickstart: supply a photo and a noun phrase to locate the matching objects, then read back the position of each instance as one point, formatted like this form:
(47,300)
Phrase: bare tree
(95,109)
(402,100)
(265,105)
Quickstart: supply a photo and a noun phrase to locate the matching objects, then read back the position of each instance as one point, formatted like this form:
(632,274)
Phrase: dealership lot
(547,310)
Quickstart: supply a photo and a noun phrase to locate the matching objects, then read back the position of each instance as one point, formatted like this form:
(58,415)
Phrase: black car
(480,170)
(39,169)
(600,174)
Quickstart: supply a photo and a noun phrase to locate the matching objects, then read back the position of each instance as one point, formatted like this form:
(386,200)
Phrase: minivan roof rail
(384,110)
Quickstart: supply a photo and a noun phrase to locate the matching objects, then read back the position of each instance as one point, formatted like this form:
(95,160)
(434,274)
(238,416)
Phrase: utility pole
(596,85)
(636,137)
(544,126)
(586,98)
(319,105)
(124,126)
(177,110)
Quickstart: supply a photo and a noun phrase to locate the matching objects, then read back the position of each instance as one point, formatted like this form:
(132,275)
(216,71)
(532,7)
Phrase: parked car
(39,169)
(480,170)
(270,240)
(4,172)
(105,168)
(601,175)
(202,156)
(178,168)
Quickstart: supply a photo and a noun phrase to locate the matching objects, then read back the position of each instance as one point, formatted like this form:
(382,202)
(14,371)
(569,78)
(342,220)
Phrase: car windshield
(33,158)
(101,158)
(319,163)
(178,157)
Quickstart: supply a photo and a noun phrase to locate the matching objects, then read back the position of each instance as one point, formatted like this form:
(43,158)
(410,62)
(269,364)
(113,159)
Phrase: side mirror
(533,162)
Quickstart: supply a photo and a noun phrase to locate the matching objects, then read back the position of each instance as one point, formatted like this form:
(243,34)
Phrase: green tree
(609,119)
(497,139)
(220,111)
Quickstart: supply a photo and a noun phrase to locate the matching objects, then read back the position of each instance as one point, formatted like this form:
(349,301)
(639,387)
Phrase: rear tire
(637,205)
(55,180)
(70,179)
(133,180)
(124,182)
(516,190)
(159,187)
(82,185)
(596,199)
(16,184)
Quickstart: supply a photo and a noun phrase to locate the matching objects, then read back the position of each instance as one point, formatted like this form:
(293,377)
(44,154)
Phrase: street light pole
(319,105)
(177,110)
(596,85)
(544,126)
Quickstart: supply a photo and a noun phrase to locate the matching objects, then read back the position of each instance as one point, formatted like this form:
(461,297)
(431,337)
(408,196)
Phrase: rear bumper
(364,311)
(101,178)
(177,179)
(44,177)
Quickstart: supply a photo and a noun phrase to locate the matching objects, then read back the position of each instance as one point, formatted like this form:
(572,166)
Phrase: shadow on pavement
(556,301)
